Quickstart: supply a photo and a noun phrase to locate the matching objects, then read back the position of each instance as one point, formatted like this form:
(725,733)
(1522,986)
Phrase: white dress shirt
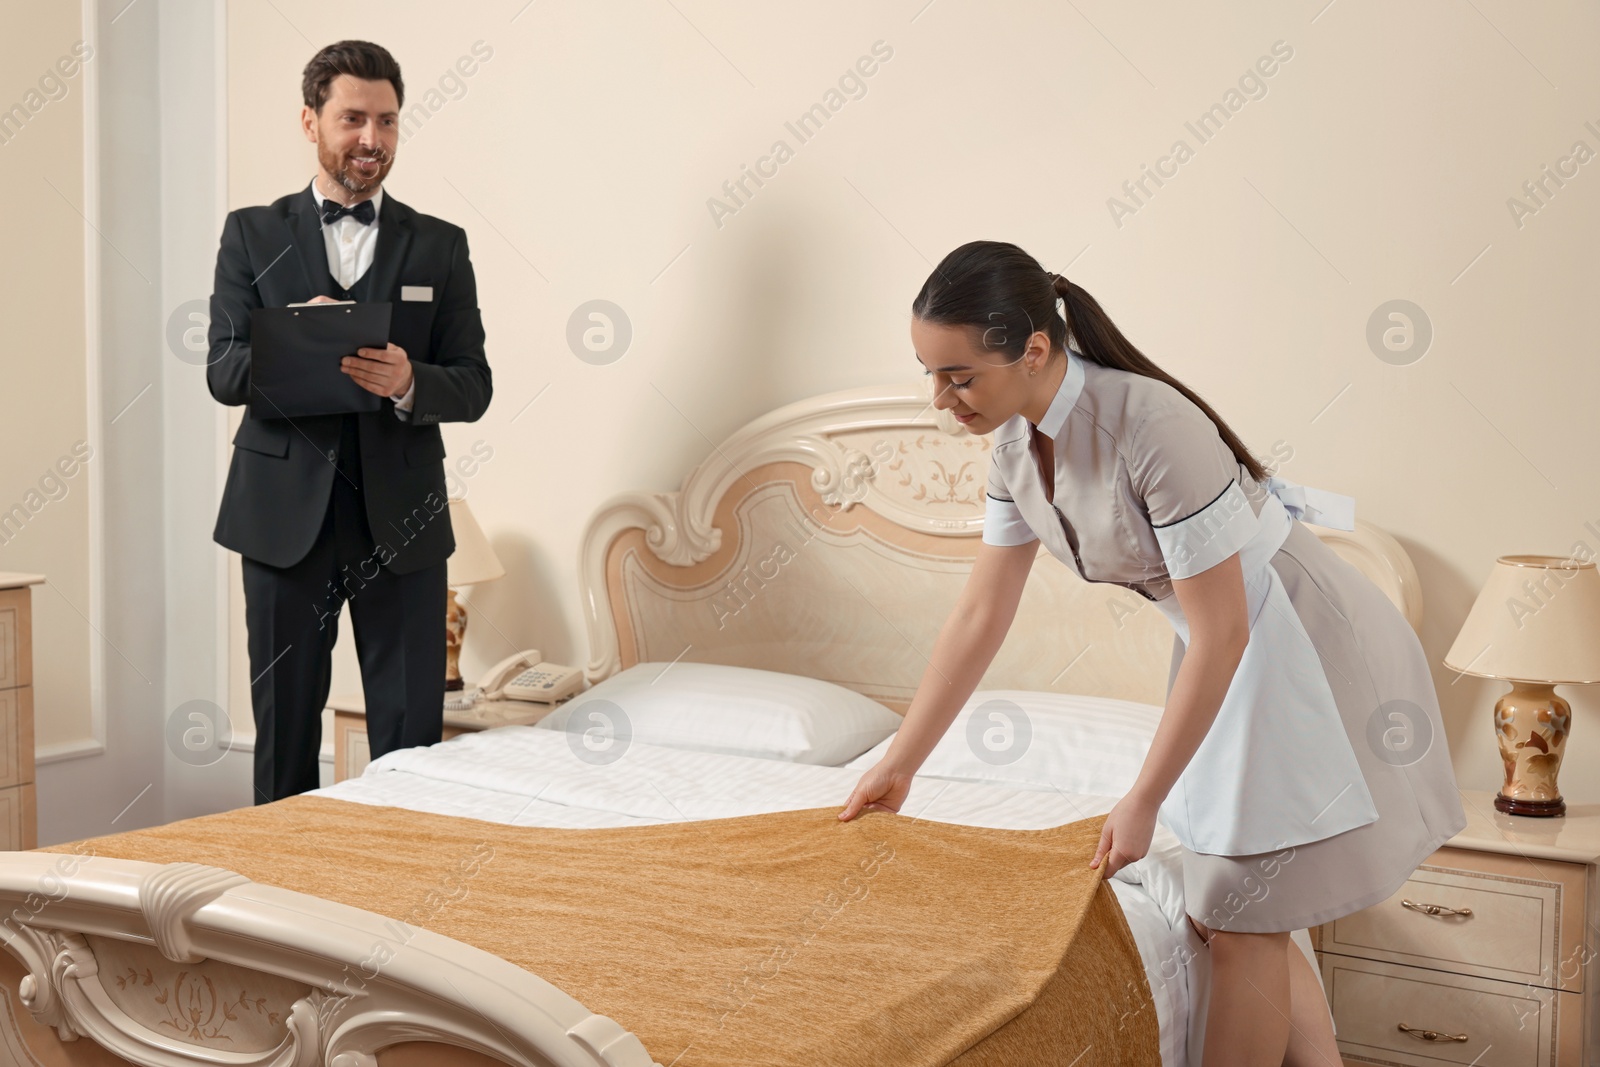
(351,247)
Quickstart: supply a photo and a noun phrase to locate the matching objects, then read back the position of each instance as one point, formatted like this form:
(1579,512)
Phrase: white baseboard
(67,750)
(88,746)
(247,743)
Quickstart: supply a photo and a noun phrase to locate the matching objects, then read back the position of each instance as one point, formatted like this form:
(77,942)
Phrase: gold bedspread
(783,938)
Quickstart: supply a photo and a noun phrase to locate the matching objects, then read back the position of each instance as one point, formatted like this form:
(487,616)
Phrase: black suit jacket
(282,470)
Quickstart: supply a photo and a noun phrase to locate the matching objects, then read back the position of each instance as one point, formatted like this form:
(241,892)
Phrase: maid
(1301,761)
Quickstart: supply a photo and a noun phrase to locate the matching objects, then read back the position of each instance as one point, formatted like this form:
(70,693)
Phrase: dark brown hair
(359,59)
(1005,296)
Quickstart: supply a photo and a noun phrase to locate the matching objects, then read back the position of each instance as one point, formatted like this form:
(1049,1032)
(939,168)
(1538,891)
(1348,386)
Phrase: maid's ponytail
(1006,296)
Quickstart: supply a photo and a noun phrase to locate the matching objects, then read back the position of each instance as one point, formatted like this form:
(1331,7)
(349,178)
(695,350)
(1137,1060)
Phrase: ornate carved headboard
(831,537)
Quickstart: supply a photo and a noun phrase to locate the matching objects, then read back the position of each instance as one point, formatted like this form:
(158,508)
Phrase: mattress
(529,777)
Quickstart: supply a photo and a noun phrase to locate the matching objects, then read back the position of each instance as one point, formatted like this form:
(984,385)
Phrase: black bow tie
(362,212)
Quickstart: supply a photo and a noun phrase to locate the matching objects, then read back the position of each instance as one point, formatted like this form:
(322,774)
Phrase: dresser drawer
(16,736)
(1525,926)
(17,819)
(16,653)
(351,749)
(1504,1024)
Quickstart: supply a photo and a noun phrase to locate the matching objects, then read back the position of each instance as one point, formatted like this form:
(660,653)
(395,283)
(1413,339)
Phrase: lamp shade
(1536,620)
(473,560)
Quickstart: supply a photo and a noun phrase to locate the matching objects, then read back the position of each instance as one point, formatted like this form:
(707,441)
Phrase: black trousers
(292,617)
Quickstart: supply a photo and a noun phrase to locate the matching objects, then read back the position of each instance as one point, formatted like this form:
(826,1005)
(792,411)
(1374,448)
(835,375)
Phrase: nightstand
(17,825)
(350,751)
(1486,956)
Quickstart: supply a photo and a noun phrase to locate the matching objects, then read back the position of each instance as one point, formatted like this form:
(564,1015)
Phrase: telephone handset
(525,677)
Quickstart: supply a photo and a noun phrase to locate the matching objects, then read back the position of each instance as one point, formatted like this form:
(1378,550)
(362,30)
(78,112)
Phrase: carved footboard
(167,966)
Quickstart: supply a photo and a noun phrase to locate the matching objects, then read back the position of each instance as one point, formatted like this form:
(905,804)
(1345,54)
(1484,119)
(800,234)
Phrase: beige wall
(1375,163)
(44,404)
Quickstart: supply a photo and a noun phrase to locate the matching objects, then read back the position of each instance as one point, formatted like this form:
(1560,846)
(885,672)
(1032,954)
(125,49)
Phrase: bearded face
(359,169)
(356,133)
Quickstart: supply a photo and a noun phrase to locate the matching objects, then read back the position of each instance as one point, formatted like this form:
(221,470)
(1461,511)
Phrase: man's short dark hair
(359,59)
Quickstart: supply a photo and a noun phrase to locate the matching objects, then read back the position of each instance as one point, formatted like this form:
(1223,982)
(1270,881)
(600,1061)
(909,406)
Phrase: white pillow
(1032,740)
(738,711)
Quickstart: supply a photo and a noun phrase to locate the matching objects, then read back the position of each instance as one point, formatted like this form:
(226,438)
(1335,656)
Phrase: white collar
(377,199)
(1066,398)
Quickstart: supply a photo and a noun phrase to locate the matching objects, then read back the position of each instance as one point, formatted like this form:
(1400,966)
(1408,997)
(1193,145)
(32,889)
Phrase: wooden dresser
(1486,956)
(18,827)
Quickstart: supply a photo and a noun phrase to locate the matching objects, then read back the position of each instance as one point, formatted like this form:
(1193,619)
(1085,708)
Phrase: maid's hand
(880,789)
(1126,836)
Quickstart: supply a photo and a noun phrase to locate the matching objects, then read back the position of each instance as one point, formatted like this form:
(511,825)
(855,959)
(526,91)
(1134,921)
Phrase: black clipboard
(295,354)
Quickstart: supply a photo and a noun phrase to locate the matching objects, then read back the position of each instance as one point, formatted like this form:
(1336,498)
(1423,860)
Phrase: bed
(368,923)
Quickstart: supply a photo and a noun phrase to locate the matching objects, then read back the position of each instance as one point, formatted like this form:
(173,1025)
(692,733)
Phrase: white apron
(1276,768)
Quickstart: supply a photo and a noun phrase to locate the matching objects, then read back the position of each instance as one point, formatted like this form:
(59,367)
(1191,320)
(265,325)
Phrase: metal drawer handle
(1431,1035)
(1434,909)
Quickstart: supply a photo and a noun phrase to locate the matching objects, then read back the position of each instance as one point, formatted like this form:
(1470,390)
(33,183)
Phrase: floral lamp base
(1531,724)
(455,631)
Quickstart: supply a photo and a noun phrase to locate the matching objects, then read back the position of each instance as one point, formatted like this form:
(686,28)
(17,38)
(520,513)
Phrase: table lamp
(1536,625)
(473,561)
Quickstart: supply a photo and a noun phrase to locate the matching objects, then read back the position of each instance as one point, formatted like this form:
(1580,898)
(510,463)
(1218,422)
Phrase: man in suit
(335,509)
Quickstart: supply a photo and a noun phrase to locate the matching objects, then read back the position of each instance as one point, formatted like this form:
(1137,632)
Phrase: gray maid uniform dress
(1325,778)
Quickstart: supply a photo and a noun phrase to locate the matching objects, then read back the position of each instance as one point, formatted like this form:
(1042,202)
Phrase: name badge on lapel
(416,292)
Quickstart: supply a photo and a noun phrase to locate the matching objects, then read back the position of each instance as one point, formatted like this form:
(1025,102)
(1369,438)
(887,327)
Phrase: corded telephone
(525,677)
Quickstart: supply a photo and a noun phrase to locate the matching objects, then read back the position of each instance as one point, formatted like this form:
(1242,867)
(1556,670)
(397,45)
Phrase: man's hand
(385,371)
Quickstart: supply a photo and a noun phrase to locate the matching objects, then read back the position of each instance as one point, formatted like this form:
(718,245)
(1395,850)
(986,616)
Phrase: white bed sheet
(522,776)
